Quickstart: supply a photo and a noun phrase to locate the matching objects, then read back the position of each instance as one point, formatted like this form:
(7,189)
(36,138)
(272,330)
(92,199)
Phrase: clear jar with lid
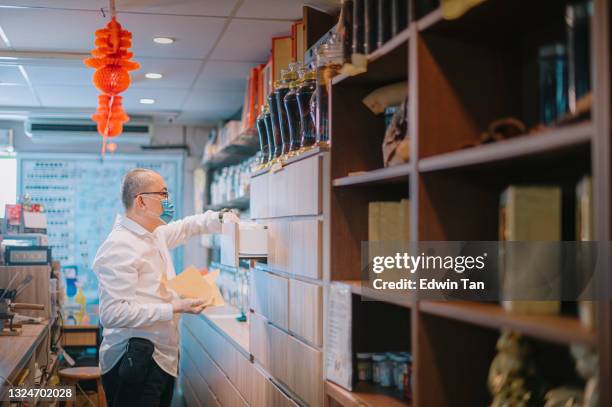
(386,371)
(400,369)
(364,367)
(329,62)
(378,360)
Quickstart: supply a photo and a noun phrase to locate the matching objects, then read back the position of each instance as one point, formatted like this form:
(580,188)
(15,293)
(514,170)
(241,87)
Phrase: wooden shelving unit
(365,395)
(564,330)
(389,175)
(463,74)
(569,139)
(239,149)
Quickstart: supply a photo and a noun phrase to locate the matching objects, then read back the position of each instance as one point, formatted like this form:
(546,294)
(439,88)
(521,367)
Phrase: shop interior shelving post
(462,74)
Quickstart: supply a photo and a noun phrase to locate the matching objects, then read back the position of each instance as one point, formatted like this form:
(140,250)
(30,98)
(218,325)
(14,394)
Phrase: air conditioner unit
(52,130)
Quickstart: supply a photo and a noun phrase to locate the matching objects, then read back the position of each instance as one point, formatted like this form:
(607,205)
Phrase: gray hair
(134,182)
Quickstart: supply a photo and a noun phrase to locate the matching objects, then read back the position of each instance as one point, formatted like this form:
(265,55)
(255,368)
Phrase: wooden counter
(224,321)
(17,351)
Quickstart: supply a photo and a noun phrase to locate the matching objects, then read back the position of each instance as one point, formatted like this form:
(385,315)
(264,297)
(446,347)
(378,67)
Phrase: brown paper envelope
(191,284)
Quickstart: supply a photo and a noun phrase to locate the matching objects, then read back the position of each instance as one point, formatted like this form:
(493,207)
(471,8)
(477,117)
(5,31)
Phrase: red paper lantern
(111,60)
(112,79)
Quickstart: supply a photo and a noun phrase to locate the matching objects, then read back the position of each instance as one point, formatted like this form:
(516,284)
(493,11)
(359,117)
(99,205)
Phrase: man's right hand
(188,305)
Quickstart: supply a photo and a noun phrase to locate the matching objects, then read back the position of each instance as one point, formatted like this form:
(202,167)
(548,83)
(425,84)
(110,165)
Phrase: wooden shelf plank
(519,147)
(383,296)
(429,20)
(365,394)
(381,60)
(397,173)
(552,328)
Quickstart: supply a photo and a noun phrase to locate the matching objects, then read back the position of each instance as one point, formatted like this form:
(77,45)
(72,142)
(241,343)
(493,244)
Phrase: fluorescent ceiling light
(163,40)
(153,75)
(147,101)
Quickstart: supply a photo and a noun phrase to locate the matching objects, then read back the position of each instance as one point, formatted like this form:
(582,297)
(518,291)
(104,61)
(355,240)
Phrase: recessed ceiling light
(147,101)
(153,75)
(163,40)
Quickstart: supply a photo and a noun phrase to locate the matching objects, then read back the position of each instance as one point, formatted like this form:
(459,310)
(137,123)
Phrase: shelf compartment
(563,330)
(365,394)
(242,202)
(387,64)
(388,175)
(236,151)
(473,71)
(383,296)
(552,141)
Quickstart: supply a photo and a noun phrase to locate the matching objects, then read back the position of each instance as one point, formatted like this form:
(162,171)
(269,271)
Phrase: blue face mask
(168,210)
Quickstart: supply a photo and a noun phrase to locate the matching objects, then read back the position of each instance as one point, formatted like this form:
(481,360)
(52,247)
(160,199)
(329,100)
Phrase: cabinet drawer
(294,246)
(219,384)
(307,380)
(278,244)
(195,388)
(306,311)
(279,366)
(299,186)
(260,340)
(222,352)
(259,197)
(305,237)
(278,398)
(270,297)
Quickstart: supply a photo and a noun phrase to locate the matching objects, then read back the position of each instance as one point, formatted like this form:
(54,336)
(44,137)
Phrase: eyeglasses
(163,194)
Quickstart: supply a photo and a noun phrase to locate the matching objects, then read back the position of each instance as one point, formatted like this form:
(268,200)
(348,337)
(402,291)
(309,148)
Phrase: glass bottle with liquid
(260,123)
(278,141)
(329,62)
(270,133)
(288,76)
(293,116)
(304,95)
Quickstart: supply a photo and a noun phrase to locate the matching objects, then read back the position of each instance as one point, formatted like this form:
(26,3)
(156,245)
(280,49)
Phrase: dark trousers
(156,390)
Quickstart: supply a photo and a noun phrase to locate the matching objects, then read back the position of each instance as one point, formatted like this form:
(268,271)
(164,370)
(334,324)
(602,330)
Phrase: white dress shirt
(130,265)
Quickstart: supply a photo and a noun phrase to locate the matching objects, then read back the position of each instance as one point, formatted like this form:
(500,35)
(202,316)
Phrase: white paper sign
(338,350)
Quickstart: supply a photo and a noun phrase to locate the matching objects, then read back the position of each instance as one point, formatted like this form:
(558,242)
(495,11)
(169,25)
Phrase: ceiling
(43,43)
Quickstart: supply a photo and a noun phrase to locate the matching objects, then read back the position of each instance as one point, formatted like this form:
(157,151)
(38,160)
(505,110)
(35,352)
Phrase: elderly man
(139,352)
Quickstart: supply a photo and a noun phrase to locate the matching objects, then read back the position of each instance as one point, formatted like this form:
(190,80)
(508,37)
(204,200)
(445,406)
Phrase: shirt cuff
(213,225)
(166,312)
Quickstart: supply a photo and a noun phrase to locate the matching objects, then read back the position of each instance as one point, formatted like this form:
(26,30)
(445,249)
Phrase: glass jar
(329,62)
(386,371)
(288,76)
(270,132)
(378,360)
(364,366)
(553,83)
(578,19)
(260,123)
(400,369)
(278,141)
(304,96)
(293,116)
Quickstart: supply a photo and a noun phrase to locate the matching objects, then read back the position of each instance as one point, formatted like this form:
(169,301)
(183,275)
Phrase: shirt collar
(130,225)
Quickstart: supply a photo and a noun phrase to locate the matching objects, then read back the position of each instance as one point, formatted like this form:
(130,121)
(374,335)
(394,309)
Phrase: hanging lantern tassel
(111,60)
